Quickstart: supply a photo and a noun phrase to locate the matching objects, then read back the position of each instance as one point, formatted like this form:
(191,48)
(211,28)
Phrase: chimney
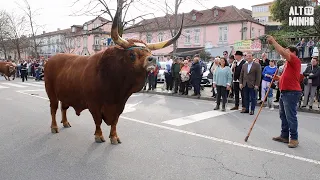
(133,22)
(43,32)
(58,29)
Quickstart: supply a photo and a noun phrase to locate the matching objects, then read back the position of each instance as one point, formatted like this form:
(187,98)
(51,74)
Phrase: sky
(53,14)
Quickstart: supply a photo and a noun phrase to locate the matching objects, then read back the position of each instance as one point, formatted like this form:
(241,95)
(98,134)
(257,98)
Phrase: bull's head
(140,51)
(11,68)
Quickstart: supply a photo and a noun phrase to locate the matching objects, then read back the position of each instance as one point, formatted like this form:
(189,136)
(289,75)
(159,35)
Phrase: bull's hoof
(66,125)
(115,140)
(54,130)
(99,139)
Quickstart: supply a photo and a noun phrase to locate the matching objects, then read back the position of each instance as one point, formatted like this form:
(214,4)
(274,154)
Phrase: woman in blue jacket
(267,75)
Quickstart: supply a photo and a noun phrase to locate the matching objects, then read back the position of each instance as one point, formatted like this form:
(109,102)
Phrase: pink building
(214,30)
(88,39)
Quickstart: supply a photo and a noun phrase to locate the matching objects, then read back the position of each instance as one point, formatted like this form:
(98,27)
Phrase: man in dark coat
(196,75)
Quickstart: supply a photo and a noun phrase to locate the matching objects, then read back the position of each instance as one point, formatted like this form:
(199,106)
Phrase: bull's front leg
(98,136)
(114,138)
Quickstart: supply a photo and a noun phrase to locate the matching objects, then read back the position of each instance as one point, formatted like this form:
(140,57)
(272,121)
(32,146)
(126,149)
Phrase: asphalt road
(162,138)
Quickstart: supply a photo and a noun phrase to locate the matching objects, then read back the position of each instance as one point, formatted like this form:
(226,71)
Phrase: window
(73,29)
(85,41)
(194,17)
(85,27)
(187,37)
(252,32)
(160,36)
(96,40)
(215,13)
(223,34)
(79,42)
(149,38)
(197,36)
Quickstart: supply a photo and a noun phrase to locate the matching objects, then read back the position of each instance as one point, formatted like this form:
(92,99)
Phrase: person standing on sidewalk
(267,75)
(290,89)
(196,75)
(175,69)
(221,81)
(185,77)
(250,78)
(236,69)
(311,82)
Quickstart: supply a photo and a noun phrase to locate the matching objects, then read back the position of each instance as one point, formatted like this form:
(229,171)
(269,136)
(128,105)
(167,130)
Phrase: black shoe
(251,112)
(216,108)
(223,108)
(310,107)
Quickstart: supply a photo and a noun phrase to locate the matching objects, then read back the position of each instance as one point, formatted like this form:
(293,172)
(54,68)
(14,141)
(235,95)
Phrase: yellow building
(262,13)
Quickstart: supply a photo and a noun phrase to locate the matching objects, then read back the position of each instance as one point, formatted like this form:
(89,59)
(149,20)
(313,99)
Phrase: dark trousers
(169,81)
(250,96)
(278,95)
(196,85)
(176,82)
(155,81)
(236,93)
(184,87)
(222,92)
(24,75)
(151,82)
(288,105)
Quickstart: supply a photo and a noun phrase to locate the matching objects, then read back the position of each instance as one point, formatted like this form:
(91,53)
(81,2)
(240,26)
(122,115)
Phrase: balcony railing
(96,47)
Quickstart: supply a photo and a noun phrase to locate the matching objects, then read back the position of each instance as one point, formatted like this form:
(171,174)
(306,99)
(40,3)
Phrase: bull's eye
(150,58)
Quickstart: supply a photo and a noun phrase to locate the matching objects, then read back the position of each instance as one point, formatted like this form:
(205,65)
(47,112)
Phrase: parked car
(205,81)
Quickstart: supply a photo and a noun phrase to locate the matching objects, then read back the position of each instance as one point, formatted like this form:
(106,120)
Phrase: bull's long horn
(115,34)
(163,44)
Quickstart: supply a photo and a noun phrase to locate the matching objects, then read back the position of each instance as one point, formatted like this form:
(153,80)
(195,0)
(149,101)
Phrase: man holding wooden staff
(289,85)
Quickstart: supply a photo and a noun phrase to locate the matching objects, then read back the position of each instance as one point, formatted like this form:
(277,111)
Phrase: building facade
(214,30)
(262,13)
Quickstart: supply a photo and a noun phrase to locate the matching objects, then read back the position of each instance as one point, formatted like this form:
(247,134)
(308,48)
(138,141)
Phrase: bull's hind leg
(54,107)
(64,120)
(114,138)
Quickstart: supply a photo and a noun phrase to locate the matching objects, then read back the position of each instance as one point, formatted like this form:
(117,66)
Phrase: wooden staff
(264,99)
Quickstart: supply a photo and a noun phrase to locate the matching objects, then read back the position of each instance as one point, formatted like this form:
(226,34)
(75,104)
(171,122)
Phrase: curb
(213,99)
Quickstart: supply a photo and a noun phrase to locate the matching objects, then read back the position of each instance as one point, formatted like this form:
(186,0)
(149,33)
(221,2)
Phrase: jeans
(288,105)
(250,95)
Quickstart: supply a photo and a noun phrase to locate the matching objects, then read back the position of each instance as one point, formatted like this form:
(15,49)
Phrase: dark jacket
(237,71)
(196,71)
(175,69)
(315,77)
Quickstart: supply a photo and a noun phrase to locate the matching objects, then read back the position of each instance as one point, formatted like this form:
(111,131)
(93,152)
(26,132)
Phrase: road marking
(194,118)
(14,85)
(226,141)
(31,84)
(23,92)
(2,87)
(32,90)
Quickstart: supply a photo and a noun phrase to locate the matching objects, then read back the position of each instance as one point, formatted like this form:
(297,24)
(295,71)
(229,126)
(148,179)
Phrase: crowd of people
(252,79)
(29,68)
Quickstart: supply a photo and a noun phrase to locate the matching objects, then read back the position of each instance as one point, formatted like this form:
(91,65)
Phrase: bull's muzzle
(151,58)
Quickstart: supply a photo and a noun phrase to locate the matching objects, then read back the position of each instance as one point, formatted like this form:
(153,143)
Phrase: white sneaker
(272,109)
(267,107)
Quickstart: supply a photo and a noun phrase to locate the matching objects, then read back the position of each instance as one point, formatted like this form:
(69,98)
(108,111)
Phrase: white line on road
(226,141)
(23,92)
(32,90)
(2,87)
(194,118)
(14,85)
(31,84)
(213,138)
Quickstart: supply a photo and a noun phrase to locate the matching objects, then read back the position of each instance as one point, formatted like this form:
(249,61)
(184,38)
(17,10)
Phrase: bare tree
(68,44)
(34,28)
(4,32)
(17,30)
(100,7)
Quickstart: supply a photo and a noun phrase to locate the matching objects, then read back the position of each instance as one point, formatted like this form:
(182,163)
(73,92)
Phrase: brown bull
(8,69)
(101,83)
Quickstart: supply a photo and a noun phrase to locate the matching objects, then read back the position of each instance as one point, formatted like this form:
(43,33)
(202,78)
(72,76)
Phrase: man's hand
(241,86)
(276,78)
(228,87)
(270,39)
(214,85)
(256,87)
